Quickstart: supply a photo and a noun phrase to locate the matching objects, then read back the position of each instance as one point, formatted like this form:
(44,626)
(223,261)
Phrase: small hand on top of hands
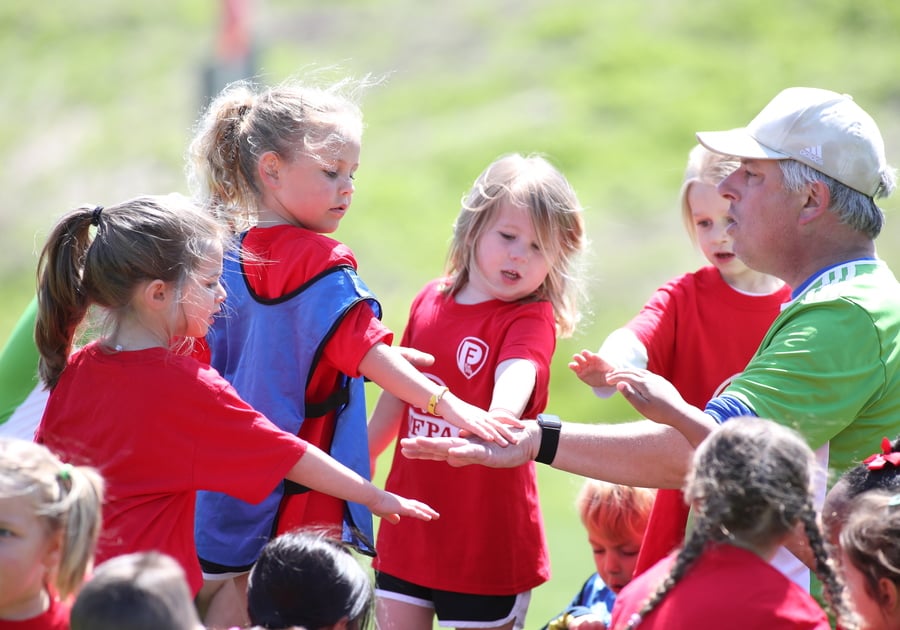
(468,418)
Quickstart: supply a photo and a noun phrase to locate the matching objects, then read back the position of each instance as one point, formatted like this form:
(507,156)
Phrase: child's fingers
(422,511)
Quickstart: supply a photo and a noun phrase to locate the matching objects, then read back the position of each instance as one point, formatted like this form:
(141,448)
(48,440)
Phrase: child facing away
(491,323)
(869,555)
(698,330)
(157,423)
(49,523)
(302,328)
(750,486)
(146,590)
(615,517)
(311,579)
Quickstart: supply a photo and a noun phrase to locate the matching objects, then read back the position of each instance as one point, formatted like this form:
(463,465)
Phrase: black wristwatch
(550,428)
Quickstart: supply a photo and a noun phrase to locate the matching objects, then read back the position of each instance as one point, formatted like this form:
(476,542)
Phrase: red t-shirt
(699,333)
(727,587)
(490,537)
(56,617)
(160,426)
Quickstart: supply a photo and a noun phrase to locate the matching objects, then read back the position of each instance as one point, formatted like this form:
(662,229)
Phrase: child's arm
(384,425)
(387,368)
(319,471)
(514,381)
(657,399)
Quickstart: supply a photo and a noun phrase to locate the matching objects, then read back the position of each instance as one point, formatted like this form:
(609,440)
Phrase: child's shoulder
(286,242)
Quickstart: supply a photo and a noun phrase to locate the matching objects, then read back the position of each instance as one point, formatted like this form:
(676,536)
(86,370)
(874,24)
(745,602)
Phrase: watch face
(549,420)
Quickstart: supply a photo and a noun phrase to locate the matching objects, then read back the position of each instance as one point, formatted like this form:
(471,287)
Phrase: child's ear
(887,595)
(155,294)
(268,168)
(53,553)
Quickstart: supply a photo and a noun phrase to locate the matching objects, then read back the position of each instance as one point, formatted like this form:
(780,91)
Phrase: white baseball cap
(822,129)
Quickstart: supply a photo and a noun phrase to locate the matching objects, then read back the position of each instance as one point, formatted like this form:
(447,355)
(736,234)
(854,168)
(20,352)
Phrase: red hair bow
(880,460)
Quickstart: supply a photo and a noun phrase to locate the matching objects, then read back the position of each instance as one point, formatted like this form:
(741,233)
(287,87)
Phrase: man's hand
(463,451)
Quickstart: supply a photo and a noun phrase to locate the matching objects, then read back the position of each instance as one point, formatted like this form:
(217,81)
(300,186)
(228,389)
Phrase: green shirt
(829,366)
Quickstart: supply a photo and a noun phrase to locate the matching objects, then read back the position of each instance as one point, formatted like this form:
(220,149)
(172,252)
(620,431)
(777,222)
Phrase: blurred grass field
(100,96)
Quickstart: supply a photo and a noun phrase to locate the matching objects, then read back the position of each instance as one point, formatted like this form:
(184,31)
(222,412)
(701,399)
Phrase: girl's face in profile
(203,296)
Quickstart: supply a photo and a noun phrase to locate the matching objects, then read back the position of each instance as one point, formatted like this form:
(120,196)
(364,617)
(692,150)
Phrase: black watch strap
(550,429)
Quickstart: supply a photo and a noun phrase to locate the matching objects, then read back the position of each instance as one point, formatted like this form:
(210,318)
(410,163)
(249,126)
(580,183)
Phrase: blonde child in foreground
(697,331)
(303,330)
(49,522)
(491,323)
(615,518)
(159,424)
(870,559)
(751,487)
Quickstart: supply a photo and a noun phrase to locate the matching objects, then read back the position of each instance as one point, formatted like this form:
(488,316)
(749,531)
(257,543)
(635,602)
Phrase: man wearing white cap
(803,205)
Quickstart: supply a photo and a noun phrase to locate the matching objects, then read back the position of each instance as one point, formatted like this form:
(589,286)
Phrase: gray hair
(854,208)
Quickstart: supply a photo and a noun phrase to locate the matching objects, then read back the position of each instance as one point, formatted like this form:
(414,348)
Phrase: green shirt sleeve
(18,364)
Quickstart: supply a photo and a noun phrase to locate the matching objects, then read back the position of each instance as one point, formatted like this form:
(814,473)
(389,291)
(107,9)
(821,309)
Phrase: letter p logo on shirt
(471,356)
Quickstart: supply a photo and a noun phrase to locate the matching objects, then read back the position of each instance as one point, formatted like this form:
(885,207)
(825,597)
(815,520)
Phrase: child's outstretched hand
(591,368)
(472,420)
(391,507)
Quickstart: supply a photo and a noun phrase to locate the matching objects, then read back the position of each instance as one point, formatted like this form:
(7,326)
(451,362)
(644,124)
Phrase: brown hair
(751,483)
(97,256)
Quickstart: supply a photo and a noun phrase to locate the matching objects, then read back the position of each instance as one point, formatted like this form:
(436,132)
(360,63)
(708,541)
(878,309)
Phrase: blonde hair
(615,511)
(66,499)
(703,167)
(245,121)
(751,483)
(532,183)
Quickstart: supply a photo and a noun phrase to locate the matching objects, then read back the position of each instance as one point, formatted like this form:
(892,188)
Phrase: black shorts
(457,610)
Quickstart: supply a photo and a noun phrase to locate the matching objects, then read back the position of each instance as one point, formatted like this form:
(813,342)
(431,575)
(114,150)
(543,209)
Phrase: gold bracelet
(435,399)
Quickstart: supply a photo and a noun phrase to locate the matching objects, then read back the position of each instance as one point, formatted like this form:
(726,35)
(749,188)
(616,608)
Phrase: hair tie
(65,472)
(95,215)
(879,460)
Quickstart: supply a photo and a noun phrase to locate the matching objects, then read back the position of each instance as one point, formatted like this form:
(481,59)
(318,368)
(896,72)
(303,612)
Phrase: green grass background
(99,98)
